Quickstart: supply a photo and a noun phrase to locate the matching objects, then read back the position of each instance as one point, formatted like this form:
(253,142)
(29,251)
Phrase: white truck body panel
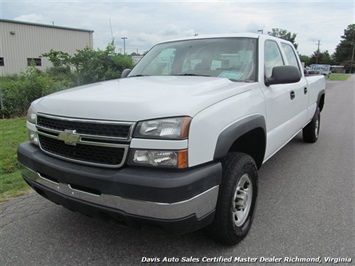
(140,98)
(204,99)
(224,114)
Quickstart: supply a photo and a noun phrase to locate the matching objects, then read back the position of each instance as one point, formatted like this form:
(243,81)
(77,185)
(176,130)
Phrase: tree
(321,58)
(90,65)
(284,34)
(305,59)
(57,58)
(344,52)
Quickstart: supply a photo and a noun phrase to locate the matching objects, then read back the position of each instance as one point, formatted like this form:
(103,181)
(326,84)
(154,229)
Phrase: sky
(146,23)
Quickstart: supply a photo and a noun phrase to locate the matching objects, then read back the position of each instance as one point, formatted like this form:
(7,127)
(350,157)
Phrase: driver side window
(162,64)
(272,58)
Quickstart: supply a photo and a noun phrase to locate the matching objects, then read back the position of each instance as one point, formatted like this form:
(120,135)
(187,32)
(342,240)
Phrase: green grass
(13,132)
(335,76)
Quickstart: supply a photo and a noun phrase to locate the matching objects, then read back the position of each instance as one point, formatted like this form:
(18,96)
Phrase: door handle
(305,90)
(292,95)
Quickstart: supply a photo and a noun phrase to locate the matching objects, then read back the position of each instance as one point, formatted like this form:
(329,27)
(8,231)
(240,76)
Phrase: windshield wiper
(191,74)
(138,75)
(243,80)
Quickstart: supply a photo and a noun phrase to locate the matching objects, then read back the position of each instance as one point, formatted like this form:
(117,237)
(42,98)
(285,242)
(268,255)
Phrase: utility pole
(124,44)
(352,59)
(318,51)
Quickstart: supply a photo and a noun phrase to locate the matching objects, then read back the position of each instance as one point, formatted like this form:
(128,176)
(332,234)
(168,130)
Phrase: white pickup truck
(177,142)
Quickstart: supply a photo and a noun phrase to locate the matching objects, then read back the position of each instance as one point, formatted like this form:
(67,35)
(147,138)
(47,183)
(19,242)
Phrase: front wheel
(236,200)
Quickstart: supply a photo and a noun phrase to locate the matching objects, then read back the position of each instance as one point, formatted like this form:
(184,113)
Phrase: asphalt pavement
(305,212)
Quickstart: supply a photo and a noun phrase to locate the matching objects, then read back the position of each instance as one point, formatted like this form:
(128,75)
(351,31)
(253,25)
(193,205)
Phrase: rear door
(303,95)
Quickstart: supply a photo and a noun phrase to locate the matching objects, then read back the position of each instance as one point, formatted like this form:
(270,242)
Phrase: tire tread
(222,227)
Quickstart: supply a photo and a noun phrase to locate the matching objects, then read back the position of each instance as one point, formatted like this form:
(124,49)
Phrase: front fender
(233,132)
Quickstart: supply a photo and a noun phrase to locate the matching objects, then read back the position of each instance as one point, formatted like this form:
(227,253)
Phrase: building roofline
(43,25)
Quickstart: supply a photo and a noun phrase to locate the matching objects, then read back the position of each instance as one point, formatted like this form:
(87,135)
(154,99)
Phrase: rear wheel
(236,201)
(311,131)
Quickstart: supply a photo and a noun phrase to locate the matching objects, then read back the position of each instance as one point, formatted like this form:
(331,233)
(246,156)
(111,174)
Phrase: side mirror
(125,73)
(283,75)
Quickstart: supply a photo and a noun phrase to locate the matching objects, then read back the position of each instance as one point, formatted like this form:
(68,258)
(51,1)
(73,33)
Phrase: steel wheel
(242,200)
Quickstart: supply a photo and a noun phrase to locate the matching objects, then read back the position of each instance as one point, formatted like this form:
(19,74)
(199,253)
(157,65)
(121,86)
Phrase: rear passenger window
(290,55)
(273,57)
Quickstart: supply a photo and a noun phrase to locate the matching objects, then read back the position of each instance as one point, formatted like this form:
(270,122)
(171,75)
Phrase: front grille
(86,153)
(86,127)
(99,143)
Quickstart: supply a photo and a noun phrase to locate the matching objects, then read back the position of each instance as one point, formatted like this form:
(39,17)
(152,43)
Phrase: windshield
(232,58)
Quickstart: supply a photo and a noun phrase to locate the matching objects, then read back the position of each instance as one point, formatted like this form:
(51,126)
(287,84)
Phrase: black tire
(240,176)
(311,131)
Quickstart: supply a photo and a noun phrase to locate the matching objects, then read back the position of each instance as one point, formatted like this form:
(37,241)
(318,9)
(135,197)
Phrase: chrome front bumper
(200,205)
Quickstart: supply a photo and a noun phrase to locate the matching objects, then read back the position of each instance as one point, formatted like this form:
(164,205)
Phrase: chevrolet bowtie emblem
(69,137)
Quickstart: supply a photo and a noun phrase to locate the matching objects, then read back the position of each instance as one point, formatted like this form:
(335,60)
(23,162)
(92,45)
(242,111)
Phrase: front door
(286,104)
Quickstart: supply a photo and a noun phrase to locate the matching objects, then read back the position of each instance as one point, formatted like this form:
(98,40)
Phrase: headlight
(169,159)
(168,128)
(31,125)
(31,115)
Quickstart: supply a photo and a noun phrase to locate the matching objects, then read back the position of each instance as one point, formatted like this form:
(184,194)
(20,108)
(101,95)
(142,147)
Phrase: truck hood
(140,98)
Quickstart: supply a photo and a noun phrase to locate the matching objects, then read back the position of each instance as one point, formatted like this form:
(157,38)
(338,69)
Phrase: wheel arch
(321,99)
(247,135)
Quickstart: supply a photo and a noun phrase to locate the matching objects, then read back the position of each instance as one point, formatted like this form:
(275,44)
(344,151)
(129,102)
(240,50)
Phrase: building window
(34,61)
(2,61)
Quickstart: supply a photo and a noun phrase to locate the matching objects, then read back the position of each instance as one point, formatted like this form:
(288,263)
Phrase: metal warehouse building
(22,43)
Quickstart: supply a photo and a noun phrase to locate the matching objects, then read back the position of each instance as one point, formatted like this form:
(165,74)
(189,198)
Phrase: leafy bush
(62,78)
(91,66)
(86,66)
(19,91)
